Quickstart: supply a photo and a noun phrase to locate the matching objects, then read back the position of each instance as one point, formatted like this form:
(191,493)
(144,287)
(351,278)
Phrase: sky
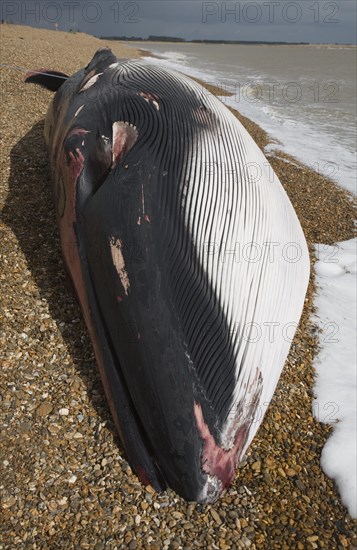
(315,21)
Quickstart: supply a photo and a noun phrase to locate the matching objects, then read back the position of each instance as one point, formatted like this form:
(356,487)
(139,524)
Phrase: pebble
(215,516)
(44,409)
(52,506)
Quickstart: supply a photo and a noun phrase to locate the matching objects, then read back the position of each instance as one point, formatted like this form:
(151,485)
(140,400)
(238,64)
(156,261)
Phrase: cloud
(266,20)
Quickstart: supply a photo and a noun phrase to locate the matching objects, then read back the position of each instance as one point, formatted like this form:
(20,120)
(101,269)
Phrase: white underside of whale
(250,241)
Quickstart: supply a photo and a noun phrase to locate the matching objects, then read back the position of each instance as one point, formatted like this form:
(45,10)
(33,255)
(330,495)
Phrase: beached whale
(188,259)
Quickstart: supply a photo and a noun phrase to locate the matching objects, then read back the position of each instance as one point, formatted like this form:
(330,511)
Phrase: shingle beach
(64,482)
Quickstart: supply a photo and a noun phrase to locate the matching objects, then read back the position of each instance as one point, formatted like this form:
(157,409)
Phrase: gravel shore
(64,482)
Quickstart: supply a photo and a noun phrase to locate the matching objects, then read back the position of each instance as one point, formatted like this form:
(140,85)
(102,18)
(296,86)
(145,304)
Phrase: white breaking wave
(336,385)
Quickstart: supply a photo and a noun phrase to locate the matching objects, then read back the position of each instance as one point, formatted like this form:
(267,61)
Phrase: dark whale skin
(139,159)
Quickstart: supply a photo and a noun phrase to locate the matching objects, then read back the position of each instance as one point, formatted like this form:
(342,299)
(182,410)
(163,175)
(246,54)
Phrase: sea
(305,98)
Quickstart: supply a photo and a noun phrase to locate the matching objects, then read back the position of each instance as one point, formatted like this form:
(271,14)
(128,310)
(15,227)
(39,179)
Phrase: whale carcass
(188,260)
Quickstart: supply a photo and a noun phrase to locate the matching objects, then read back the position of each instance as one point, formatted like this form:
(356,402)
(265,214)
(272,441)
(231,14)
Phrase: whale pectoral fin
(51,80)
